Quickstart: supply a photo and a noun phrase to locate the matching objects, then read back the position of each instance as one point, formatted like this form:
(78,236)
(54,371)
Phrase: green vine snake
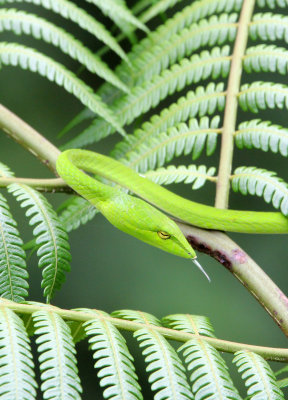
(139,217)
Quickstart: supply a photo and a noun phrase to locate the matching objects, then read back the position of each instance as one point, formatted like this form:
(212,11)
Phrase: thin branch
(219,246)
(42,185)
(29,138)
(230,113)
(269,353)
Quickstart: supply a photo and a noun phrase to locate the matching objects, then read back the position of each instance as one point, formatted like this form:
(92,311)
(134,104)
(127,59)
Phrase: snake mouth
(199,266)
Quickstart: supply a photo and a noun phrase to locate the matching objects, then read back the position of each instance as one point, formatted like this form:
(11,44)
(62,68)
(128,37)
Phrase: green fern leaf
(197,175)
(166,372)
(214,31)
(69,10)
(258,376)
(268,26)
(50,237)
(22,23)
(264,58)
(115,363)
(16,362)
(262,95)
(75,212)
(272,3)
(58,365)
(195,324)
(136,316)
(202,101)
(13,273)
(262,135)
(5,172)
(209,374)
(261,183)
(182,139)
(27,58)
(117,11)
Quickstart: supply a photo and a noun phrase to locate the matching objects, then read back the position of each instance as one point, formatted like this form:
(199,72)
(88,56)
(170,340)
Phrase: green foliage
(51,237)
(13,271)
(258,376)
(262,183)
(59,373)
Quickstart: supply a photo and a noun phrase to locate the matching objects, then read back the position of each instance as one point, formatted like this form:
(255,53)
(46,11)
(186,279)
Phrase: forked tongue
(201,268)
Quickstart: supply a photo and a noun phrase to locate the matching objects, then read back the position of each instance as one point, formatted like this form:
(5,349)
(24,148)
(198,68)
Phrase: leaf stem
(42,185)
(219,246)
(29,138)
(230,112)
(269,353)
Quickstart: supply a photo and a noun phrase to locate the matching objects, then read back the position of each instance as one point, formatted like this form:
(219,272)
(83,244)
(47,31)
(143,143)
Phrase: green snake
(139,217)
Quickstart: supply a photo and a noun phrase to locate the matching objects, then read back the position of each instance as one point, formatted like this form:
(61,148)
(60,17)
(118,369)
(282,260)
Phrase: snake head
(138,218)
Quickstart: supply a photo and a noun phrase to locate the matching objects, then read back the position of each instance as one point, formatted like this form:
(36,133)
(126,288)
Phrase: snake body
(140,217)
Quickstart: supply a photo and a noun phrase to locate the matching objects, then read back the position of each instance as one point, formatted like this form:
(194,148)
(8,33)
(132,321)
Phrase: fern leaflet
(16,372)
(262,135)
(115,363)
(50,237)
(268,26)
(21,22)
(58,365)
(261,183)
(13,273)
(195,324)
(137,316)
(167,374)
(258,376)
(209,374)
(27,58)
(5,172)
(267,59)
(69,10)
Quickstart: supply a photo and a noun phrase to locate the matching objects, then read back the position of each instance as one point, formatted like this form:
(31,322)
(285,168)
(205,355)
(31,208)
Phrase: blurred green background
(111,270)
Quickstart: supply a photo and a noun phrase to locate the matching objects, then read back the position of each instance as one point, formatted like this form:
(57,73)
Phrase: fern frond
(214,31)
(182,139)
(58,365)
(197,175)
(137,316)
(17,55)
(262,95)
(195,324)
(117,11)
(261,183)
(269,26)
(22,23)
(16,363)
(115,363)
(13,273)
(210,377)
(50,237)
(267,59)
(272,3)
(199,102)
(76,211)
(69,10)
(258,376)
(262,135)
(167,374)
(5,171)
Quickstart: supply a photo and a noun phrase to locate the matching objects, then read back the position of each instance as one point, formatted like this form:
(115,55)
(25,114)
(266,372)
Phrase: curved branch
(219,246)
(42,185)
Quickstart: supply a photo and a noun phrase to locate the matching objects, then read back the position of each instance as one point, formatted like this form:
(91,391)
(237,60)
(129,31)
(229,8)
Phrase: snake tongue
(201,268)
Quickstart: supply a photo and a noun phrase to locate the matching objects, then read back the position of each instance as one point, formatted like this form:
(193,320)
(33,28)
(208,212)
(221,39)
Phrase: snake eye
(163,235)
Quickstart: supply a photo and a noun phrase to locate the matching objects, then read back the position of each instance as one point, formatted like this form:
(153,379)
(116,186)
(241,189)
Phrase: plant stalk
(219,246)
(269,353)
(230,112)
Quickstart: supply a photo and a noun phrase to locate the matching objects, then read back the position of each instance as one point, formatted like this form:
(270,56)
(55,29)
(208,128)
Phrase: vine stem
(269,353)
(230,112)
(29,138)
(219,246)
(42,185)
